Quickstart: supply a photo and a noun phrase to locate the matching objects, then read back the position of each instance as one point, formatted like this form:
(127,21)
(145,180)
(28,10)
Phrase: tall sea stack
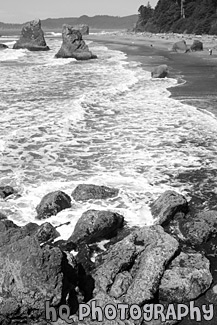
(73,46)
(32,37)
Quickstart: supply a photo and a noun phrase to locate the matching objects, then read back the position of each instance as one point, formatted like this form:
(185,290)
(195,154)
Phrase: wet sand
(197,69)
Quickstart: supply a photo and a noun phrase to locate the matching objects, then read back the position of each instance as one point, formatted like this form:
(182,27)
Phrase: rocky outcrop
(32,37)
(85,192)
(3,47)
(199,228)
(73,46)
(180,46)
(187,278)
(143,255)
(197,46)
(31,274)
(5,191)
(52,203)
(95,225)
(167,205)
(160,72)
(84,29)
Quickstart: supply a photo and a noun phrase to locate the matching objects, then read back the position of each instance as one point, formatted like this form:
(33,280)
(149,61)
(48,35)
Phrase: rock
(197,46)
(3,46)
(7,224)
(160,72)
(46,232)
(85,192)
(5,191)
(121,284)
(29,275)
(32,37)
(84,29)
(211,295)
(144,255)
(149,266)
(52,203)
(180,46)
(95,225)
(186,279)
(199,228)
(73,45)
(167,205)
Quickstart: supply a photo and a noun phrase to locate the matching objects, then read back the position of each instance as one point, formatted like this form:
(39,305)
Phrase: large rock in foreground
(85,192)
(133,267)
(167,205)
(73,45)
(29,275)
(160,72)
(52,203)
(197,46)
(95,225)
(186,279)
(32,37)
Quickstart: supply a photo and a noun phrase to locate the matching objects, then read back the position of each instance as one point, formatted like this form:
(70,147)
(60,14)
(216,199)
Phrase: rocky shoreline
(170,262)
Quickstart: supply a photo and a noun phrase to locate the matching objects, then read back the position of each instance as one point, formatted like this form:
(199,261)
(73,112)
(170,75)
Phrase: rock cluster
(168,262)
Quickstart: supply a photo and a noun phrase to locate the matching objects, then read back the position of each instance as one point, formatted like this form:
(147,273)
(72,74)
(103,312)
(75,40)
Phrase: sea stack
(84,29)
(32,37)
(73,46)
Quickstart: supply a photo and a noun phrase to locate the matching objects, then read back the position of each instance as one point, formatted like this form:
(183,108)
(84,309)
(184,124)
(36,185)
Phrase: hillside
(96,22)
(197,16)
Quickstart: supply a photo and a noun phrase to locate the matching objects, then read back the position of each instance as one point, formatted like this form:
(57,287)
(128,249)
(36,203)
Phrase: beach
(195,71)
(85,141)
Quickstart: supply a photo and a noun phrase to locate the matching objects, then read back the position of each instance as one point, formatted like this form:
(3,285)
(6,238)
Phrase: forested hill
(190,16)
(98,22)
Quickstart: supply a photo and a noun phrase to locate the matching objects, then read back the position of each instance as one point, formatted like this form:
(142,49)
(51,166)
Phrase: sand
(197,69)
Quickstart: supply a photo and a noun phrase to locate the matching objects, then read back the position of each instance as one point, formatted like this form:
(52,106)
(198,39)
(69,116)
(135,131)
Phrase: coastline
(195,72)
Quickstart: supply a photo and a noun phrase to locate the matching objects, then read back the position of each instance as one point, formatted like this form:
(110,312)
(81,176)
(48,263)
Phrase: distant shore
(198,69)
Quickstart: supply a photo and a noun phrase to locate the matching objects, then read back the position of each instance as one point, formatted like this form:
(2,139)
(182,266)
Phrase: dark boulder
(3,47)
(197,46)
(199,228)
(85,192)
(29,276)
(180,46)
(46,232)
(167,205)
(186,279)
(95,225)
(73,46)
(52,203)
(160,72)
(32,37)
(6,191)
(7,224)
(84,29)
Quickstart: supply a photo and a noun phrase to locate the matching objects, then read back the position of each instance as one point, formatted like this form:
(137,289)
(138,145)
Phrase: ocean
(107,122)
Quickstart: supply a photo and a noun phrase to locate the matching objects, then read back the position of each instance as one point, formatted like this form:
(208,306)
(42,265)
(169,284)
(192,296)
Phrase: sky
(20,11)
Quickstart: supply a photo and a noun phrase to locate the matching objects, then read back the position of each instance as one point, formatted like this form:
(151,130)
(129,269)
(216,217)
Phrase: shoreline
(195,72)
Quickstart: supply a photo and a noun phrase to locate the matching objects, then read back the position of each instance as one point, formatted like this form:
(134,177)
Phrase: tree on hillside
(145,12)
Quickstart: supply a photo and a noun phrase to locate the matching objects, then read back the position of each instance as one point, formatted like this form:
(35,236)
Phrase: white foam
(12,55)
(55,61)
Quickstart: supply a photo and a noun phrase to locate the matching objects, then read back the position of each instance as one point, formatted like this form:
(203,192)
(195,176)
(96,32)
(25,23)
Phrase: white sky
(20,11)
